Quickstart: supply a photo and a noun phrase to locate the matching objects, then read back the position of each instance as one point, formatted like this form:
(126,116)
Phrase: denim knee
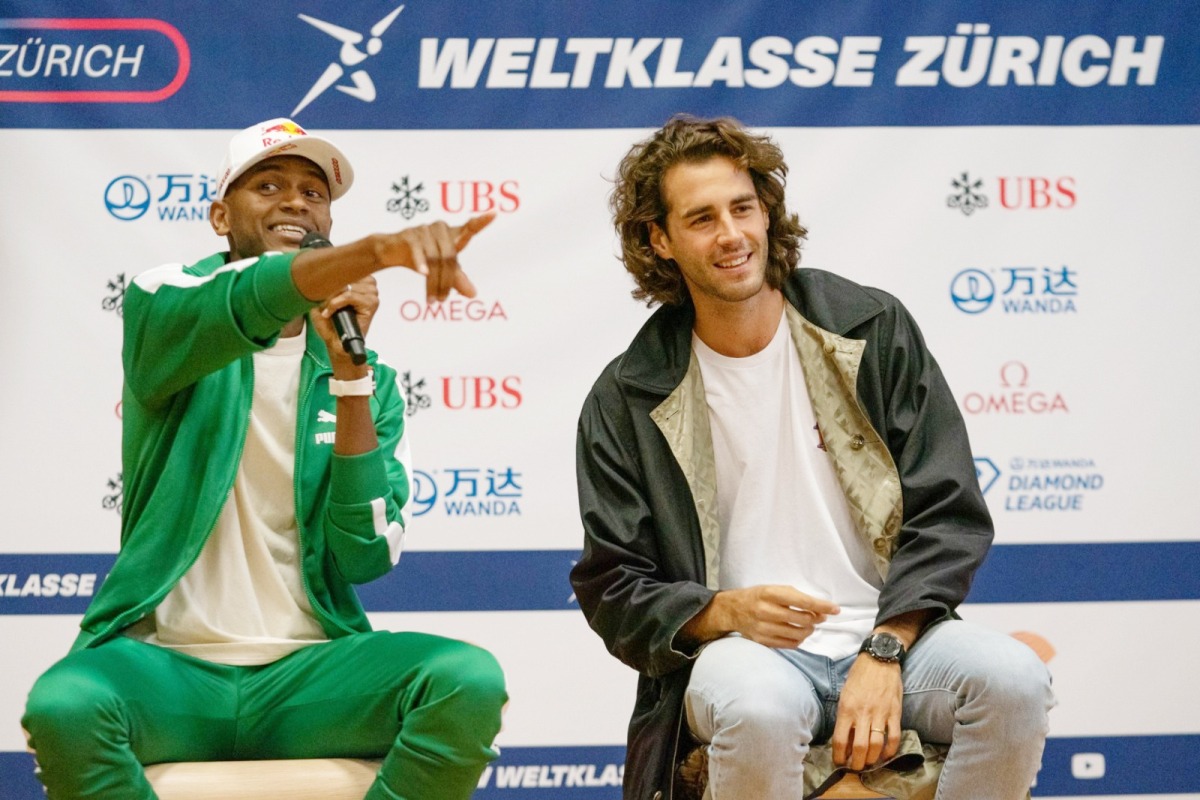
(1014,684)
(770,700)
(1023,682)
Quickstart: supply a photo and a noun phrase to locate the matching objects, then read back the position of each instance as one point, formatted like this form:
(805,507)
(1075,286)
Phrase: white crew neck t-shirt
(783,516)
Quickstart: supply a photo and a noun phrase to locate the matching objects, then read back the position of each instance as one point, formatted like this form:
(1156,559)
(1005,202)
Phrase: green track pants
(429,706)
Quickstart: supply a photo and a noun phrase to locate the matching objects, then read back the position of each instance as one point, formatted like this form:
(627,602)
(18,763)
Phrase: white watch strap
(362,387)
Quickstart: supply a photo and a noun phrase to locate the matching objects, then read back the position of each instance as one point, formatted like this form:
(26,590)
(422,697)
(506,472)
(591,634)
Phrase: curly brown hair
(637,199)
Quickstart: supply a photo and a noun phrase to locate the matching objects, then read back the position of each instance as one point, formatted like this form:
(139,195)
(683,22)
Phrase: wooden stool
(295,779)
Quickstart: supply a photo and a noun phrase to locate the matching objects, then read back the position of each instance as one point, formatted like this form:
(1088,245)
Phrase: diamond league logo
(348,61)
(986,472)
(1040,483)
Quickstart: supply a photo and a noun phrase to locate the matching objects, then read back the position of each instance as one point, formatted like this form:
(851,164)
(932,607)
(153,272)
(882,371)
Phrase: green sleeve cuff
(264,298)
(359,478)
(274,289)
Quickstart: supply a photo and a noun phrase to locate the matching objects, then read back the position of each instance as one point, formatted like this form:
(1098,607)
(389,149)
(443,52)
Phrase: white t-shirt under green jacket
(243,601)
(190,336)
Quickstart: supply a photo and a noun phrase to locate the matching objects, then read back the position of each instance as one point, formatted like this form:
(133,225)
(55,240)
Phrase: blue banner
(421,64)
(1071,767)
(537,580)
(1088,573)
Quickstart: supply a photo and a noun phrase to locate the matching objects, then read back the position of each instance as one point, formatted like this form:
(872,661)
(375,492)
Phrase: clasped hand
(773,615)
(868,716)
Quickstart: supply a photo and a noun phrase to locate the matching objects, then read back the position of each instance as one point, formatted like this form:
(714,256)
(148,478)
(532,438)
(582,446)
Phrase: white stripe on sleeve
(173,275)
(394,531)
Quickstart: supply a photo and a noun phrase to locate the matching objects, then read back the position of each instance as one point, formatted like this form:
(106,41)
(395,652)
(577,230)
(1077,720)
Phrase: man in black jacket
(780,504)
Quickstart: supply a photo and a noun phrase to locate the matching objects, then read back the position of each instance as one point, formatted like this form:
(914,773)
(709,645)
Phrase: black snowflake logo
(408,204)
(116,299)
(967,197)
(115,499)
(415,398)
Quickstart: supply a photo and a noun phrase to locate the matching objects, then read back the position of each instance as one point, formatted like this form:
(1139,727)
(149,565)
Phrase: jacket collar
(658,357)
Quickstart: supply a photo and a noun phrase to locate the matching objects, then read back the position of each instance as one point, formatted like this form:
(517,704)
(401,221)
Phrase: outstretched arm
(430,250)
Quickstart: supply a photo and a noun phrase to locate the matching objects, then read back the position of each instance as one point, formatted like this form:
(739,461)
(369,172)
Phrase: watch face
(885,646)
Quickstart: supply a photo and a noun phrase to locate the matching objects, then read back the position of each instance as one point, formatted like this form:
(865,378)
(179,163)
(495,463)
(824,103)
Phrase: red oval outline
(61,96)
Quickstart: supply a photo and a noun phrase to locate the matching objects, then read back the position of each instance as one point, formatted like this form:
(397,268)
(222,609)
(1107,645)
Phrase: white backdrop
(1077,381)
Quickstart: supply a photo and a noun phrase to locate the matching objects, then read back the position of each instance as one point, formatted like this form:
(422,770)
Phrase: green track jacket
(190,332)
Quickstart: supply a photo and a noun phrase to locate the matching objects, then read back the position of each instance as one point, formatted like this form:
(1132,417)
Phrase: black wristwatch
(884,647)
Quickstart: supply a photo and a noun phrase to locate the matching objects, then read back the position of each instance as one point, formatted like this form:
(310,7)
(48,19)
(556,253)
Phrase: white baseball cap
(282,137)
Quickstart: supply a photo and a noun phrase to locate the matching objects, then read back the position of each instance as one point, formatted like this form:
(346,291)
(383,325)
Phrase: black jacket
(643,571)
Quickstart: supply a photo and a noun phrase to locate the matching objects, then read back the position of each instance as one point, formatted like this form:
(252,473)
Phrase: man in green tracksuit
(265,472)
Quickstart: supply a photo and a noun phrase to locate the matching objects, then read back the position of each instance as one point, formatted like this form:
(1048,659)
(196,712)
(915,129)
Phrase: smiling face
(715,231)
(272,206)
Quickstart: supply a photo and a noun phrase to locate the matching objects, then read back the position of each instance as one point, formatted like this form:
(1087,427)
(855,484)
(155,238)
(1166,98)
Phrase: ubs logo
(1037,193)
(408,201)
(415,396)
(481,392)
(115,499)
(1017,193)
(115,300)
(463,393)
(968,195)
(455,197)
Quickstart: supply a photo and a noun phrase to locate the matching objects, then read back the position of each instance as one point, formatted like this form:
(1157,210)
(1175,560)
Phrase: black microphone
(344,319)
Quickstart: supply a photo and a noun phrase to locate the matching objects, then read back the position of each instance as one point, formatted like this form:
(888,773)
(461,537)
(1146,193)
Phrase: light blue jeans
(983,693)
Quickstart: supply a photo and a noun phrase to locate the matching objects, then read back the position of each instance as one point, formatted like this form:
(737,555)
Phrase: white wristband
(362,387)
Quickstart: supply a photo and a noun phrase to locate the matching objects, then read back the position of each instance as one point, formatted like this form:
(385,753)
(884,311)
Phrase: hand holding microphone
(345,320)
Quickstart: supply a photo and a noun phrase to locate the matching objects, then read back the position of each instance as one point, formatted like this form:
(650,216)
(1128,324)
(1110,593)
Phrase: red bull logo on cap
(286,127)
(274,134)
